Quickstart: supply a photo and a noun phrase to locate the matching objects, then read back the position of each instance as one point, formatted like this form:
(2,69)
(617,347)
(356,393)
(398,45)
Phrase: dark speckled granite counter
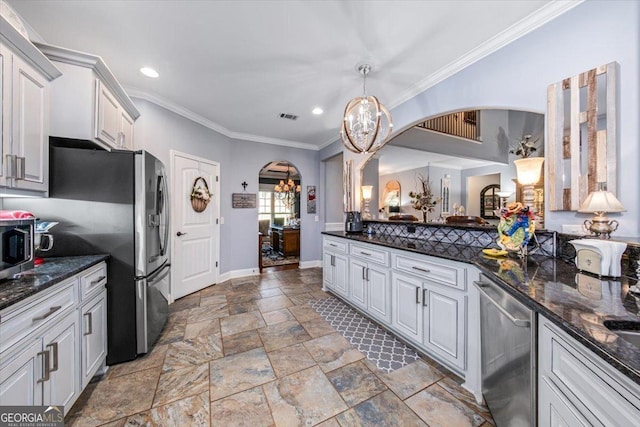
(53,271)
(576,302)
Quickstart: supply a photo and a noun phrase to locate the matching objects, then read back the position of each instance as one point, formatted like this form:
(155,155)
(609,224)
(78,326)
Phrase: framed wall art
(311,199)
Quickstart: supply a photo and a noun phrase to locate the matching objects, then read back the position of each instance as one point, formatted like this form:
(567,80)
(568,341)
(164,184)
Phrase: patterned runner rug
(380,347)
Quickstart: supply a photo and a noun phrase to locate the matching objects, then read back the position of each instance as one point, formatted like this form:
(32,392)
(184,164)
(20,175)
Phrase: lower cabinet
(335,272)
(94,336)
(576,387)
(21,377)
(406,305)
(370,289)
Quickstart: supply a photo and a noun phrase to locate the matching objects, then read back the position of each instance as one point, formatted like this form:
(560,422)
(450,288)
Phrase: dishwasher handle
(523,323)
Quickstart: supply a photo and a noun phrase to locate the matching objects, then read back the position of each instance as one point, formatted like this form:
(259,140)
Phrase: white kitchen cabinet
(25,81)
(46,357)
(335,273)
(370,289)
(444,320)
(407,305)
(94,336)
(358,283)
(88,103)
(579,388)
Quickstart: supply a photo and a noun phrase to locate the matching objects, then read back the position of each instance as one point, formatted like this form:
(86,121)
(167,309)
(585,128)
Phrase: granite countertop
(41,277)
(576,302)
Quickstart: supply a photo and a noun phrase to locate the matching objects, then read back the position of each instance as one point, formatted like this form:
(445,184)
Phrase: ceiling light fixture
(317,111)
(366,125)
(287,191)
(149,72)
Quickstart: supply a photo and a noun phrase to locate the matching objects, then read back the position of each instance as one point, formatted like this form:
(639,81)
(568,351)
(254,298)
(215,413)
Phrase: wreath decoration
(200,194)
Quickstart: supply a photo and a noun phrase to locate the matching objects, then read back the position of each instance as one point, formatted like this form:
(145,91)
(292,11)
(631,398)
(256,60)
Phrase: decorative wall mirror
(582,141)
(391,196)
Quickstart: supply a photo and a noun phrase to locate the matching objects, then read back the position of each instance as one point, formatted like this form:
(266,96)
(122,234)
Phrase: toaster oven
(16,246)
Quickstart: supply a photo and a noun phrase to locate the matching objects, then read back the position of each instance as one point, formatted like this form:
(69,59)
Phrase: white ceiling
(236,65)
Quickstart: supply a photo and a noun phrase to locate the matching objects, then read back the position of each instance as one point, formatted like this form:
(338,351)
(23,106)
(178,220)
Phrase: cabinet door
(358,283)
(30,126)
(107,115)
(126,129)
(94,336)
(555,411)
(5,118)
(406,293)
(327,269)
(19,377)
(444,315)
(62,342)
(341,275)
(379,293)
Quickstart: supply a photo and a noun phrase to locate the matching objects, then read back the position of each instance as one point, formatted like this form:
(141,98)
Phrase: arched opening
(279,215)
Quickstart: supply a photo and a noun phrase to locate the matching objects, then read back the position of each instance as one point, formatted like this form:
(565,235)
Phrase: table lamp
(601,202)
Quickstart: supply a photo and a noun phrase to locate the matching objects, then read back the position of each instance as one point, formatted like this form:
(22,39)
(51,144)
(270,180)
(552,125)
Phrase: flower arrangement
(200,196)
(424,200)
(525,147)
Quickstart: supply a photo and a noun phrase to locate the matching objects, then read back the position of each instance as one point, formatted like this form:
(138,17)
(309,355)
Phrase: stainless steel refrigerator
(115,203)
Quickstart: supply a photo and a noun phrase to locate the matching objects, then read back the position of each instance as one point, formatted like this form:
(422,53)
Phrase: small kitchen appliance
(16,246)
(353,223)
(599,257)
(42,240)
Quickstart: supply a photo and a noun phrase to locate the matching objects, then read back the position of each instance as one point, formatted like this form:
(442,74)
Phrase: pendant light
(366,125)
(287,190)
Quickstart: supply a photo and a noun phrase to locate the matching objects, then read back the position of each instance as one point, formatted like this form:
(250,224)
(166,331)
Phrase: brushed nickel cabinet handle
(45,366)
(363,274)
(417,295)
(424,270)
(365,253)
(20,167)
(333,244)
(424,297)
(98,280)
(47,314)
(90,327)
(54,347)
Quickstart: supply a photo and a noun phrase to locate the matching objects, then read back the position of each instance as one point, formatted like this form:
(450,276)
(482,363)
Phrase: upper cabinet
(25,76)
(88,103)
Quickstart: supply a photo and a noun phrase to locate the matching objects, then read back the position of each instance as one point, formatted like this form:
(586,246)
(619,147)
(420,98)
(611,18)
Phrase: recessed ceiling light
(149,72)
(317,111)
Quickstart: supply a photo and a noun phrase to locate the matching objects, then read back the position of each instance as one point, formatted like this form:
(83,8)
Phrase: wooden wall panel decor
(582,139)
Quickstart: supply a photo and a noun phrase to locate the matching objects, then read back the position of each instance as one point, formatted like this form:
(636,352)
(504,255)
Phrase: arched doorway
(279,216)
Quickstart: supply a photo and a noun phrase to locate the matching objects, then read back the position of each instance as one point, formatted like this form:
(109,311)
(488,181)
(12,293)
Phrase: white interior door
(195,239)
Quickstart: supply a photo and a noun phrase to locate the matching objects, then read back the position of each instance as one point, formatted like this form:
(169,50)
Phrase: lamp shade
(528,170)
(601,201)
(505,194)
(366,191)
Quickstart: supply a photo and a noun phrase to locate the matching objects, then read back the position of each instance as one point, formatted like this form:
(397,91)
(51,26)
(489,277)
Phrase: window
(270,207)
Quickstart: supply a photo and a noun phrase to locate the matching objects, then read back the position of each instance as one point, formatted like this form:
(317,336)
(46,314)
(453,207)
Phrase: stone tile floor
(253,352)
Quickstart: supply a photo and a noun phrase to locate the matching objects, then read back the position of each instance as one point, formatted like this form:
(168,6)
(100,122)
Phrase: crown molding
(526,25)
(210,124)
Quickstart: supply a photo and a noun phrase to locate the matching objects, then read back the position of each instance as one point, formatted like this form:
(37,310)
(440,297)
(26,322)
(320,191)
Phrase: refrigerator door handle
(163,201)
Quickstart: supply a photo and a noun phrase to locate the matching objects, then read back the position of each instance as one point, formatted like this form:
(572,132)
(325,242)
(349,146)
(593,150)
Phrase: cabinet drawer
(586,385)
(370,254)
(335,245)
(445,274)
(23,321)
(93,281)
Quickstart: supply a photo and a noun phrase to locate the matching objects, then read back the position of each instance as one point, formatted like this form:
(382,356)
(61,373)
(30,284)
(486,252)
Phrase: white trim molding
(310,264)
(235,274)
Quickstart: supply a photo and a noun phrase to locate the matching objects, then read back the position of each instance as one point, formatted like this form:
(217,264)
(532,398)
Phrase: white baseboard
(234,274)
(311,264)
(334,226)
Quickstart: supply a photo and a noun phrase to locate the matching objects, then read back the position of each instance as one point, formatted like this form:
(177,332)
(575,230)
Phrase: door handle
(424,270)
(424,298)
(90,327)
(333,261)
(417,295)
(54,347)
(45,366)
(20,167)
(363,274)
(523,323)
(98,280)
(180,233)
(367,274)
(47,314)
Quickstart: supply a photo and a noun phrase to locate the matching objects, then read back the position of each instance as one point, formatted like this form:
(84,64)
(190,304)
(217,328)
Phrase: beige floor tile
(239,343)
(383,410)
(207,327)
(192,352)
(356,383)
(241,322)
(111,399)
(216,302)
(239,372)
(456,390)
(409,379)
(283,334)
(273,303)
(332,351)
(243,296)
(243,307)
(185,303)
(300,299)
(440,409)
(171,333)
(318,327)
(153,359)
(296,289)
(248,408)
(290,359)
(304,313)
(200,314)
(191,411)
(277,316)
(331,422)
(303,398)
(269,292)
(182,383)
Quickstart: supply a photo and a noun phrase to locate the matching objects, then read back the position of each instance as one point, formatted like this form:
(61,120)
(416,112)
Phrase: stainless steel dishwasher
(508,351)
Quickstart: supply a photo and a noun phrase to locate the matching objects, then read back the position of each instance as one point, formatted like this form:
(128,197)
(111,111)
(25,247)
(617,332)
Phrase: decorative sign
(311,199)
(243,200)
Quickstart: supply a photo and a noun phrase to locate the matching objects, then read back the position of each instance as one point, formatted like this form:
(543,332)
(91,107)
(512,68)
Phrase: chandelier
(366,125)
(287,190)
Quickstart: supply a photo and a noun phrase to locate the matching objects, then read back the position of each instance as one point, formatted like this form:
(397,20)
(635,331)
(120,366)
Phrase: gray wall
(370,177)
(159,130)
(516,77)
(333,206)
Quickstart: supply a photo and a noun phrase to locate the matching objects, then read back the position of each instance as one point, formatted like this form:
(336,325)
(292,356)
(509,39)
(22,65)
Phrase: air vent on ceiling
(288,116)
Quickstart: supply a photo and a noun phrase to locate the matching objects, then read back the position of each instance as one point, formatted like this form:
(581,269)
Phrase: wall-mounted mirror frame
(582,140)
